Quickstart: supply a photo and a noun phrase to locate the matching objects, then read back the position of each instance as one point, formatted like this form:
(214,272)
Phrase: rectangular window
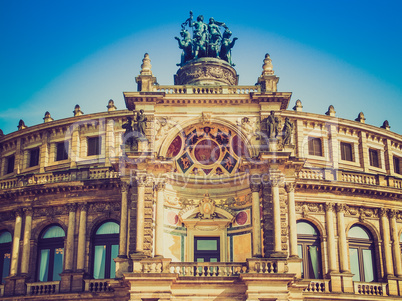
(34,157)
(314,146)
(374,157)
(354,263)
(346,151)
(10,164)
(62,151)
(206,249)
(94,146)
(397,166)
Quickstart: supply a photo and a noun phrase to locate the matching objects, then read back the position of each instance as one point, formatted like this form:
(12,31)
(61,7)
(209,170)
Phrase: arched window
(105,249)
(5,254)
(309,249)
(361,254)
(50,253)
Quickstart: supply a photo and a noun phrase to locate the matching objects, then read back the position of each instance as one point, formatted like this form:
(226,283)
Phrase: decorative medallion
(207,152)
(241,218)
(207,207)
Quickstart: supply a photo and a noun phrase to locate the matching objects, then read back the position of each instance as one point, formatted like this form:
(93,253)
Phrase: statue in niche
(227,45)
(207,40)
(128,136)
(287,131)
(272,125)
(141,124)
(187,45)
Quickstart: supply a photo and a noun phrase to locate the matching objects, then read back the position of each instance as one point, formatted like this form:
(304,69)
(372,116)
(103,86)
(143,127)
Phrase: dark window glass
(50,254)
(62,151)
(207,249)
(10,164)
(361,254)
(34,157)
(5,255)
(346,151)
(374,158)
(94,146)
(314,146)
(105,249)
(397,166)
(309,250)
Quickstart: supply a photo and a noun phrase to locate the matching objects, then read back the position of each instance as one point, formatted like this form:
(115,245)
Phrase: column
(140,216)
(396,252)
(290,189)
(123,221)
(330,228)
(389,270)
(343,246)
(159,219)
(26,249)
(16,243)
(82,237)
(256,222)
(68,265)
(277,214)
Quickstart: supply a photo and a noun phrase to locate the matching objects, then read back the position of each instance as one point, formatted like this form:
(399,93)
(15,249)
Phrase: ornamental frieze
(361,212)
(306,208)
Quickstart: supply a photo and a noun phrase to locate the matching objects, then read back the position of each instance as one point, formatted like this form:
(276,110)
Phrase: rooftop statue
(207,40)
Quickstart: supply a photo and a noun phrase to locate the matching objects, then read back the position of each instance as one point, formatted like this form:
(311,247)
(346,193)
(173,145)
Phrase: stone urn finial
(21,125)
(298,106)
(110,106)
(47,117)
(77,111)
(360,118)
(331,111)
(386,125)
(146,65)
(267,68)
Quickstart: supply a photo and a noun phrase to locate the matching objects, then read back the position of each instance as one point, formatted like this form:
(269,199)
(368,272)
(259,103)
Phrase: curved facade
(226,194)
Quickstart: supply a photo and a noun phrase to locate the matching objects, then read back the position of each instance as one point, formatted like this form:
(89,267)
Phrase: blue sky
(56,54)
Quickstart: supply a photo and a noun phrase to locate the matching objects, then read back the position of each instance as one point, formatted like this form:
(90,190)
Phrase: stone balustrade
(97,285)
(58,177)
(311,174)
(359,178)
(208,269)
(43,288)
(183,89)
(370,288)
(317,286)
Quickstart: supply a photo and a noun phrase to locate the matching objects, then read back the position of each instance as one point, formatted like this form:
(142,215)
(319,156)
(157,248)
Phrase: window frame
(312,147)
(5,248)
(62,149)
(363,244)
(9,170)
(397,165)
(345,151)
(94,148)
(34,157)
(305,241)
(53,244)
(377,162)
(107,240)
(207,253)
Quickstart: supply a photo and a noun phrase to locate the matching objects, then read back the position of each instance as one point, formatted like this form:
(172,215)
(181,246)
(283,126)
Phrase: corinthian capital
(255,187)
(329,206)
(124,186)
(392,213)
(160,186)
(382,212)
(340,208)
(290,186)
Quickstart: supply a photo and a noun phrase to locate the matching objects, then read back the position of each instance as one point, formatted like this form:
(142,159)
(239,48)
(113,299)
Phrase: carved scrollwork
(290,186)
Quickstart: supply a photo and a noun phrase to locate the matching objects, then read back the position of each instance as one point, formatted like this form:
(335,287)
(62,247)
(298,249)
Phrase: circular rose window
(207,152)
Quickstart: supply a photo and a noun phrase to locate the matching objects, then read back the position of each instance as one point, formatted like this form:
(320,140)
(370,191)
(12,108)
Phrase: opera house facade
(201,190)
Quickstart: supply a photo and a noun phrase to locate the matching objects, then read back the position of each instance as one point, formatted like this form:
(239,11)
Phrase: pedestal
(15,285)
(122,265)
(273,144)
